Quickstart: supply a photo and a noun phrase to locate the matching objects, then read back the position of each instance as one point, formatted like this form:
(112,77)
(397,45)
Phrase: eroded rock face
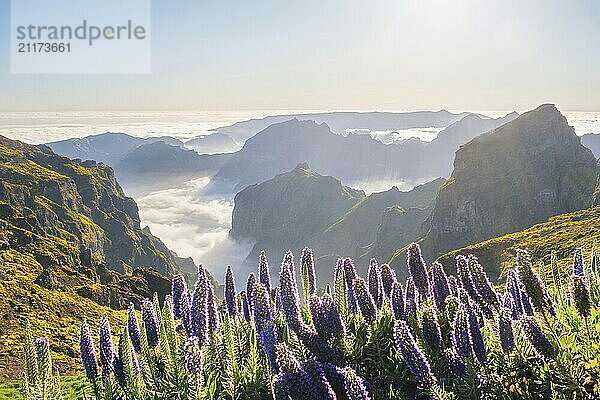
(511,178)
(596,199)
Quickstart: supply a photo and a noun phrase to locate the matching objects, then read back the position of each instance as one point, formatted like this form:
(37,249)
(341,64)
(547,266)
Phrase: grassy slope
(55,314)
(562,234)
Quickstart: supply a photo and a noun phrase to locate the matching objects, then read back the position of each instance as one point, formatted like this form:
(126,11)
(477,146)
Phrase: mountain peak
(510,178)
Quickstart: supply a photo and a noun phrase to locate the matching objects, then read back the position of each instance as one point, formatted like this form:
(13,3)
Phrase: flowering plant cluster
(375,337)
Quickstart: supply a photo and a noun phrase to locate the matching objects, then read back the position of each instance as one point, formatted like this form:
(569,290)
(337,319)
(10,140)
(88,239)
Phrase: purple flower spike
(536,338)
(133,327)
(430,327)
(230,293)
(289,295)
(249,284)
(211,305)
(413,357)
(106,345)
(150,322)
(410,300)
(505,331)
(388,277)
(307,263)
(461,339)
(181,297)
(364,300)
(86,349)
(578,268)
(418,270)
(398,301)
(199,311)
(264,325)
(475,334)
(581,296)
(535,288)
(440,286)
(375,283)
(264,275)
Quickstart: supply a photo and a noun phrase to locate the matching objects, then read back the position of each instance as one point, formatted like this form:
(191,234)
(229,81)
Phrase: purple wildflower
(307,263)
(346,382)
(581,296)
(230,293)
(326,318)
(264,275)
(484,288)
(430,328)
(388,277)
(211,306)
(264,324)
(455,363)
(453,285)
(464,277)
(505,331)
(181,298)
(364,300)
(439,285)
(249,284)
(150,322)
(535,288)
(578,267)
(375,283)
(289,295)
(193,357)
(86,349)
(316,344)
(475,334)
(536,338)
(397,301)
(410,300)
(418,270)
(106,345)
(133,327)
(413,357)
(245,306)
(199,311)
(355,386)
(461,338)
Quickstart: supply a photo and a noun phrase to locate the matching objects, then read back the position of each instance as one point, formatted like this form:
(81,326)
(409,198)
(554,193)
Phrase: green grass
(73,387)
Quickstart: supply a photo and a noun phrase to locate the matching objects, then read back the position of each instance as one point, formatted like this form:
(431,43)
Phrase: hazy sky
(341,54)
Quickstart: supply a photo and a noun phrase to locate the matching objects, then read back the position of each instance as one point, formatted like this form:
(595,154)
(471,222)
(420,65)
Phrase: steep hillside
(561,234)
(286,211)
(511,178)
(71,245)
(355,232)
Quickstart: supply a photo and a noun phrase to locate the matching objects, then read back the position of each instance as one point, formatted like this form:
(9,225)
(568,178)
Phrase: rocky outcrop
(286,211)
(596,199)
(511,178)
(73,217)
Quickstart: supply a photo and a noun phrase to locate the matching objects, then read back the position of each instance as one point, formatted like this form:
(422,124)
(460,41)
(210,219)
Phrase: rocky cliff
(511,178)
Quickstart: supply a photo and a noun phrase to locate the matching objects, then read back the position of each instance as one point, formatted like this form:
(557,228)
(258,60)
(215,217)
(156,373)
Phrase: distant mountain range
(109,148)
(339,122)
(214,143)
(355,157)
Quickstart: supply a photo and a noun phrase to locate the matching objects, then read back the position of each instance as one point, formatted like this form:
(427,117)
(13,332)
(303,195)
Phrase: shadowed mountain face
(281,146)
(108,147)
(302,208)
(592,142)
(511,178)
(340,121)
